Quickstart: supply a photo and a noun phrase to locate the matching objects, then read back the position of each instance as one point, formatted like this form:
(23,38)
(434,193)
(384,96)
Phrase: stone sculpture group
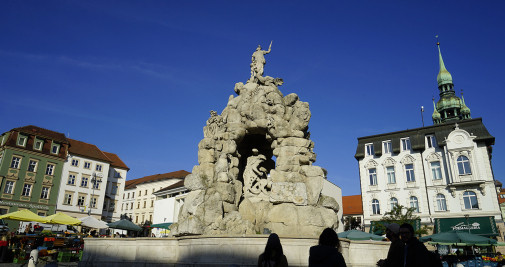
(238,188)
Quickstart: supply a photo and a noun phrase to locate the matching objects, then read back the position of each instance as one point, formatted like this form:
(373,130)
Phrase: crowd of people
(405,250)
(326,253)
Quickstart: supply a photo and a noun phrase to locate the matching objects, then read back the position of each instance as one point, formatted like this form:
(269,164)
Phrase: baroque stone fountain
(237,186)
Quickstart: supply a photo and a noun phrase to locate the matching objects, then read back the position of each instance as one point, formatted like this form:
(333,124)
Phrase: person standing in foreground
(415,253)
(273,255)
(327,253)
(395,253)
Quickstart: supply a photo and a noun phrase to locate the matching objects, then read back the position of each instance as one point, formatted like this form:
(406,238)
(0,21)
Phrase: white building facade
(139,195)
(442,171)
(85,181)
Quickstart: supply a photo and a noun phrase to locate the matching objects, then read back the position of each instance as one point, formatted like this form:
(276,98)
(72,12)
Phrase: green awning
(485,226)
(161,225)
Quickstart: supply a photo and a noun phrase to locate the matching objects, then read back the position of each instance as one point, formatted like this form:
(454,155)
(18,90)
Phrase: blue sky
(138,78)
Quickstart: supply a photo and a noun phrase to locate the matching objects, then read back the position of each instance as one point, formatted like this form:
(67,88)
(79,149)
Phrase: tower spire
(444,77)
(449,107)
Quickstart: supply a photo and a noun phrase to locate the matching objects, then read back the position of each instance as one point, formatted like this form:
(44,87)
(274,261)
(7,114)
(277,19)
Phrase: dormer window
(431,141)
(405,144)
(55,148)
(369,149)
(38,144)
(22,140)
(388,147)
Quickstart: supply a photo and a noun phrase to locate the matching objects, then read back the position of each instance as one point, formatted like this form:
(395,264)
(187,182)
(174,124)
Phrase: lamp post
(94,180)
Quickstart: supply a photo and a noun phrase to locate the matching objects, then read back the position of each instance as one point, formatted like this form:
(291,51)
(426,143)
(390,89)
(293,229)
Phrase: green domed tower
(449,107)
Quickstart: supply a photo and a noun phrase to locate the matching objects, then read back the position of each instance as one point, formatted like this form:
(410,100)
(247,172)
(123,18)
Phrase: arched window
(470,199)
(414,203)
(441,204)
(464,165)
(375,207)
(393,202)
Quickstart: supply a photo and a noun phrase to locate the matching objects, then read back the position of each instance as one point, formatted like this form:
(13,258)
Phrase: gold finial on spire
(436,36)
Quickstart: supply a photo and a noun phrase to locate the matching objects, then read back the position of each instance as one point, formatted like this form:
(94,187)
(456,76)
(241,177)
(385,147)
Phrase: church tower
(449,107)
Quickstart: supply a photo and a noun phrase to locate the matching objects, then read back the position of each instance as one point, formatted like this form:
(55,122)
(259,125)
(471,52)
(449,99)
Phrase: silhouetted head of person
(329,238)
(406,232)
(273,249)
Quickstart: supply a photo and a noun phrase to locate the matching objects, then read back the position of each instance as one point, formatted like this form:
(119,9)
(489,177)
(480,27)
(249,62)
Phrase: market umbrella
(161,225)
(23,215)
(458,238)
(359,235)
(124,225)
(62,218)
(92,222)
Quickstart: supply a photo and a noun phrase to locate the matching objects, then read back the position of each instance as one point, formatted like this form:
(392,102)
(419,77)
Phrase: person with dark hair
(273,255)
(395,253)
(415,253)
(327,253)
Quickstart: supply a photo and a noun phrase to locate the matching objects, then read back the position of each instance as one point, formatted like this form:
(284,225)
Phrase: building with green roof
(442,171)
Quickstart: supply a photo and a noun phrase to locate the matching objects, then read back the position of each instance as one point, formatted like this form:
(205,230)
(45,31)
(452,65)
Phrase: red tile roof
(31,129)
(87,150)
(352,205)
(157,177)
(500,195)
(116,161)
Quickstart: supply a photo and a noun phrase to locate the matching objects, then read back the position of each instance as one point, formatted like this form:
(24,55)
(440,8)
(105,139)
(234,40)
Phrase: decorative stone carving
(389,162)
(371,164)
(408,159)
(237,187)
(433,157)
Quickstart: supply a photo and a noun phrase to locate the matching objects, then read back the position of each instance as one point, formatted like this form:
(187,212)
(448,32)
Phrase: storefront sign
(475,225)
(24,205)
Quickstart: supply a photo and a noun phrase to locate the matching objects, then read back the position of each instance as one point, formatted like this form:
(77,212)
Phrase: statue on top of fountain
(257,68)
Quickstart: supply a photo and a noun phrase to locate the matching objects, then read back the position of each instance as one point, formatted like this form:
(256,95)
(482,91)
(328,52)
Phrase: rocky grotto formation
(238,188)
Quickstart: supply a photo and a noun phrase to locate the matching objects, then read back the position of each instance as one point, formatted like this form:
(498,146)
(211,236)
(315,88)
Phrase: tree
(396,215)
(351,223)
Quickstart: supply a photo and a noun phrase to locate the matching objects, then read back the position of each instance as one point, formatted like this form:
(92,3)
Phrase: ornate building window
(390,172)
(470,200)
(68,199)
(50,169)
(409,172)
(32,165)
(464,165)
(16,161)
(441,204)
(376,207)
(436,171)
(9,187)
(44,194)
(27,190)
(393,202)
(372,173)
(414,203)
(71,179)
